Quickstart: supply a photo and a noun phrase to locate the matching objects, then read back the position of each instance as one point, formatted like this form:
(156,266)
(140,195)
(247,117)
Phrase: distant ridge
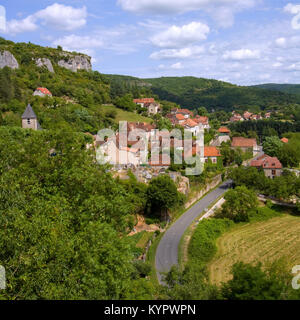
(286,88)
(192,93)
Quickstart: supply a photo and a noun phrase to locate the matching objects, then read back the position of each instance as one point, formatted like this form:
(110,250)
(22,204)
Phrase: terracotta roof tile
(44,91)
(224,130)
(243,142)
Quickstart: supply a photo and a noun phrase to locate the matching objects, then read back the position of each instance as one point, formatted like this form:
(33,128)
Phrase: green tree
(162,195)
(251,283)
(239,202)
(125,102)
(273,146)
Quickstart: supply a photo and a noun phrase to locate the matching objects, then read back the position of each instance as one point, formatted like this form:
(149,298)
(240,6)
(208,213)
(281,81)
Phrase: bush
(152,221)
(142,269)
(203,243)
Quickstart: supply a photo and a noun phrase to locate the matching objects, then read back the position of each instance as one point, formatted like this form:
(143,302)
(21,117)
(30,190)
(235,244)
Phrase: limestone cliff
(44,62)
(75,62)
(8,60)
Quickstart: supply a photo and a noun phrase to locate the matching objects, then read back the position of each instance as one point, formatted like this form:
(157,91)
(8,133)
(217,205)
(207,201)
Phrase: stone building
(271,166)
(29,119)
(42,92)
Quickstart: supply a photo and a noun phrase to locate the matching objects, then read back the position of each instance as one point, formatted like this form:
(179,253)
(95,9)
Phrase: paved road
(167,250)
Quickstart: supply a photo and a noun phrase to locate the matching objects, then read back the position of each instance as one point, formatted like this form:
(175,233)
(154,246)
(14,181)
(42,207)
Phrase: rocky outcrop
(8,60)
(44,62)
(74,63)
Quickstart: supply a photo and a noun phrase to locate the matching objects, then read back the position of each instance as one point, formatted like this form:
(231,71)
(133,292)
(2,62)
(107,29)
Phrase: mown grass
(122,115)
(261,241)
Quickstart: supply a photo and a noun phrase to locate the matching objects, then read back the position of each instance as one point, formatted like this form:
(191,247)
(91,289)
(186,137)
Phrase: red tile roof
(190,123)
(200,119)
(243,142)
(180,117)
(285,140)
(208,152)
(247,114)
(224,130)
(211,152)
(144,100)
(266,162)
(44,91)
(185,111)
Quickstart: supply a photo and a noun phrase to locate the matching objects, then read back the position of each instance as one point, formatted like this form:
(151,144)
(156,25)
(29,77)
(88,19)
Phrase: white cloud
(19,26)
(221,10)
(74,42)
(242,54)
(277,64)
(294,67)
(184,53)
(177,66)
(2,19)
(289,42)
(281,42)
(295,10)
(57,16)
(179,6)
(63,17)
(177,37)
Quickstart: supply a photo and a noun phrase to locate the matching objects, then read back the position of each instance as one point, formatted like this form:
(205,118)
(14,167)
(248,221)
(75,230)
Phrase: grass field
(123,115)
(263,242)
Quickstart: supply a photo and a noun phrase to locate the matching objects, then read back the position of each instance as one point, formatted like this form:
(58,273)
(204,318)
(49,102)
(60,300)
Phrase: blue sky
(240,41)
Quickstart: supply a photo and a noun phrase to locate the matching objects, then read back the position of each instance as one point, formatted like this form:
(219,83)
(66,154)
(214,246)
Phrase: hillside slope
(286,88)
(191,92)
(80,95)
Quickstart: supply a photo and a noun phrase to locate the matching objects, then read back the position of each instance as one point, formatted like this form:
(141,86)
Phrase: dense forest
(191,92)
(286,88)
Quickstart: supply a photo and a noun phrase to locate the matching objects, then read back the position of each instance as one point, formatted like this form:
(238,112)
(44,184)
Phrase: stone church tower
(29,119)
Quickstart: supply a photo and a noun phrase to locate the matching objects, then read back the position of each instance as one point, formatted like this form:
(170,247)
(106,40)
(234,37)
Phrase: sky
(244,42)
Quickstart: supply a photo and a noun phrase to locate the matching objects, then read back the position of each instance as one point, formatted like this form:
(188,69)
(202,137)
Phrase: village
(133,156)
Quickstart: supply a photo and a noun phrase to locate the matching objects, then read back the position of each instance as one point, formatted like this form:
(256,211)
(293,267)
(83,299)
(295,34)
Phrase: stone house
(271,166)
(153,108)
(203,121)
(245,144)
(148,103)
(143,101)
(42,92)
(191,126)
(211,153)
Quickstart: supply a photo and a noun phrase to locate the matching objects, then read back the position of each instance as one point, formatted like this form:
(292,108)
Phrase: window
(28,121)
(274,172)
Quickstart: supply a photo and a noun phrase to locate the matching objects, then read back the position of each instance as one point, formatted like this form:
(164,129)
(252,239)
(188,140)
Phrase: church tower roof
(29,113)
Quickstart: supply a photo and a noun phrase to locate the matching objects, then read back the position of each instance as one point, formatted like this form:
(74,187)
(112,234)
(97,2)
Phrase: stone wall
(209,186)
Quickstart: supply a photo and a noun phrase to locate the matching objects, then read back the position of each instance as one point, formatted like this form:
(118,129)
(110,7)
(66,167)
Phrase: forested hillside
(286,88)
(191,92)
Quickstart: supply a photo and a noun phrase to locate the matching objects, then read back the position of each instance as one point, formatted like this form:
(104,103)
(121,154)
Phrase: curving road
(167,250)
